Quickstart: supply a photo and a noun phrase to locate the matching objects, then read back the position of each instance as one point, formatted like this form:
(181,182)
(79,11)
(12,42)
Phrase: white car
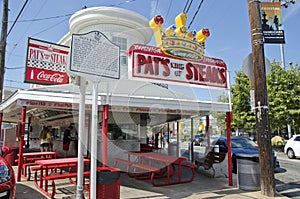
(292,147)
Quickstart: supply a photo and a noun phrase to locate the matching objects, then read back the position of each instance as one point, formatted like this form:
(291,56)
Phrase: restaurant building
(135,107)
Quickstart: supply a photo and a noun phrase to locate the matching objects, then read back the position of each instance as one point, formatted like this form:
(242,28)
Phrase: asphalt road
(288,176)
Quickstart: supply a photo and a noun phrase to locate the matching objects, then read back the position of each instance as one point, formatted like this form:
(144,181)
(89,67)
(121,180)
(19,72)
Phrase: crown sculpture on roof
(177,41)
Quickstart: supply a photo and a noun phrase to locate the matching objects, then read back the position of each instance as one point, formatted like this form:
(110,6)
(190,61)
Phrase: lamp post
(285,4)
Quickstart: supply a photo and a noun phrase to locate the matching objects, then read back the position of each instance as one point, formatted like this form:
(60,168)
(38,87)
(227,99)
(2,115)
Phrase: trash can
(248,173)
(172,149)
(108,183)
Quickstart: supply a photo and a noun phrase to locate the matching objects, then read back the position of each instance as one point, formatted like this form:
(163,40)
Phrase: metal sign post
(93,56)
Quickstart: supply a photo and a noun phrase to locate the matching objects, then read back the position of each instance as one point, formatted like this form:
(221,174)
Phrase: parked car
(240,145)
(198,139)
(292,147)
(7,179)
(173,139)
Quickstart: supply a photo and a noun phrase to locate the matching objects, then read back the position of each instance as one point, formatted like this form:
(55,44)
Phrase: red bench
(64,176)
(125,162)
(56,176)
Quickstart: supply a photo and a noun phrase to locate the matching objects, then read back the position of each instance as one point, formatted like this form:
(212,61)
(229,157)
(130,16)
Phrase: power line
(10,80)
(46,18)
(17,17)
(156,6)
(187,7)
(15,68)
(167,15)
(49,28)
(196,13)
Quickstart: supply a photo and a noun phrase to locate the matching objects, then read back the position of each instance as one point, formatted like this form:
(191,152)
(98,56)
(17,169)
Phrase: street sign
(93,56)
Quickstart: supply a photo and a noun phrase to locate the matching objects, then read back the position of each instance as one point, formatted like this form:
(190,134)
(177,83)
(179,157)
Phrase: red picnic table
(160,166)
(30,158)
(48,170)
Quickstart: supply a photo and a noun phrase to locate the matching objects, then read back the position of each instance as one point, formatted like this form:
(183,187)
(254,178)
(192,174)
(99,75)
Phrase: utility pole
(3,46)
(267,182)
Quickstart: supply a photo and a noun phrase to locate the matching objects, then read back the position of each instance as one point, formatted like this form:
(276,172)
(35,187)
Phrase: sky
(228,22)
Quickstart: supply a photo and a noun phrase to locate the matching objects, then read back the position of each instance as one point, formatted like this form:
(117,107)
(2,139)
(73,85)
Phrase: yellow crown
(177,41)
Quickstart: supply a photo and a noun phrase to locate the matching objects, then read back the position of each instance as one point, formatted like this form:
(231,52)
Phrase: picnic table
(155,166)
(30,158)
(51,170)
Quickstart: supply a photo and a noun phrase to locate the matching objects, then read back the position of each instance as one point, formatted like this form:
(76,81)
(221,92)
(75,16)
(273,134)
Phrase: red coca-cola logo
(56,78)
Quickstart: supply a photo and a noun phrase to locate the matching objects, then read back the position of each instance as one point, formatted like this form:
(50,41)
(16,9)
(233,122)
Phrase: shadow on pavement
(279,170)
(27,192)
(288,189)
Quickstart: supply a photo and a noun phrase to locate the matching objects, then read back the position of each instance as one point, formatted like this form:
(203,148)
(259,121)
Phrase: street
(288,176)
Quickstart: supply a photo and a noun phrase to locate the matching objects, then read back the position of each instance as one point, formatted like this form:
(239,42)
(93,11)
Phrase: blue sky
(228,22)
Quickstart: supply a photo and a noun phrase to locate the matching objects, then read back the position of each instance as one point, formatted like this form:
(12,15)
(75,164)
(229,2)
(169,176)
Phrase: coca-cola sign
(46,63)
(45,76)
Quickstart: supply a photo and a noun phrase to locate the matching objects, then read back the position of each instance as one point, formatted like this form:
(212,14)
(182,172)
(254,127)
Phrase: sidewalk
(201,187)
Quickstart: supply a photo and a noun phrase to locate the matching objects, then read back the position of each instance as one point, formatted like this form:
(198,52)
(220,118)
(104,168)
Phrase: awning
(60,101)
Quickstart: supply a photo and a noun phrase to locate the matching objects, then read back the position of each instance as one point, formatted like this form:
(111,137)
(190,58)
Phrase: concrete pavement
(202,187)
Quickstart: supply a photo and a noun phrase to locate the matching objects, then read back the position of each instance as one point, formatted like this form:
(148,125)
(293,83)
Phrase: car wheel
(290,153)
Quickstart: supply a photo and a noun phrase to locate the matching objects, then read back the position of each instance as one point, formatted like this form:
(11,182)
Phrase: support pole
(20,164)
(94,139)
(80,170)
(208,132)
(228,128)
(3,45)
(192,141)
(1,118)
(177,135)
(104,134)
(267,181)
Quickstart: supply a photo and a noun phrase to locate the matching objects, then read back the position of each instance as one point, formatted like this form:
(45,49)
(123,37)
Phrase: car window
(297,138)
(221,143)
(242,143)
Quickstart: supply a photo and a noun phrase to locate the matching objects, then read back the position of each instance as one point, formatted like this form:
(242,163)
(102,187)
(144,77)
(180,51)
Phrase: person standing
(67,140)
(45,139)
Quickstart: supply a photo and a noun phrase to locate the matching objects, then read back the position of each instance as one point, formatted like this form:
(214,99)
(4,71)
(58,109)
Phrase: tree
(243,117)
(220,116)
(284,97)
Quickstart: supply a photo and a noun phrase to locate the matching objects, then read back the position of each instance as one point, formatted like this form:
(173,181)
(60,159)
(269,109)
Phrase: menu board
(94,55)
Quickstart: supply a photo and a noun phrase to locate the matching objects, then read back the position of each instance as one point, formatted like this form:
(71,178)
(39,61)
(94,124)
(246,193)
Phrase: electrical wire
(46,18)
(196,13)
(15,68)
(124,2)
(48,28)
(17,17)
(186,10)
(168,11)
(156,6)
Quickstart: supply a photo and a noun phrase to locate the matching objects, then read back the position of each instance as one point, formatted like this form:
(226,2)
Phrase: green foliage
(243,117)
(220,116)
(284,97)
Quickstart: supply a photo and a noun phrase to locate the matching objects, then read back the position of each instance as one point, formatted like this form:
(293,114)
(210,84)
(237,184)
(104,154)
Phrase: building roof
(59,101)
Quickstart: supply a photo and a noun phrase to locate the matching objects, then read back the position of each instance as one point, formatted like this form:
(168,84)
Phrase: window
(121,42)
(123,60)
(297,138)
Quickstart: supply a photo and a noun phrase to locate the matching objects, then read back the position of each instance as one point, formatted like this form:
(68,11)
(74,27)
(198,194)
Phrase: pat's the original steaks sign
(149,63)
(46,63)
